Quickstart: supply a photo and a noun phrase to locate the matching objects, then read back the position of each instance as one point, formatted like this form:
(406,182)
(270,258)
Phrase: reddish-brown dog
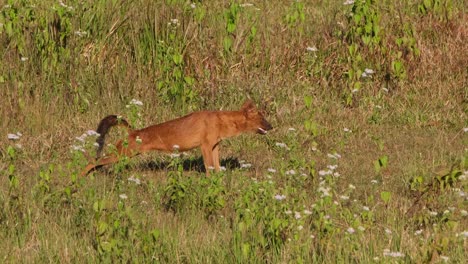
(204,129)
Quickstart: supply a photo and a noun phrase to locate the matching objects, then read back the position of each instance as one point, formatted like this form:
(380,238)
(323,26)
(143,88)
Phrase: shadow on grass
(190,164)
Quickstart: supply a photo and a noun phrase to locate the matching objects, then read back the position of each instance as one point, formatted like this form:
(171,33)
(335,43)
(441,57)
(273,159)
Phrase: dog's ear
(248,106)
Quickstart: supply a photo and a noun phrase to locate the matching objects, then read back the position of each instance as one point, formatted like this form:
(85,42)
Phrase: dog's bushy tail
(104,127)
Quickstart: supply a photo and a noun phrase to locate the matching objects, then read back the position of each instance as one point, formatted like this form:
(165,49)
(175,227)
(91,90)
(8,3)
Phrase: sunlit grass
(366,163)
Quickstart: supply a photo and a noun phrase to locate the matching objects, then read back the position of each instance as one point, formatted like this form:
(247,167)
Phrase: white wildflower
(312,49)
(388,231)
(300,228)
(174,22)
(348,2)
(297,215)
(92,133)
(325,172)
(222,168)
(361,228)
(366,208)
(307,212)
(80,33)
(465,129)
(135,180)
(282,145)
(193,5)
(336,174)
(23,59)
(136,102)
(418,232)
(432,213)
(355,90)
(334,156)
(290,172)
(325,191)
(271,170)
(280,197)
(367,73)
(176,147)
(138,140)
(397,254)
(464,213)
(62,4)
(82,138)
(374,181)
(385,90)
(78,148)
(347,130)
(291,129)
(123,196)
(14,136)
(211,168)
(246,5)
(332,167)
(288,212)
(463,176)
(344,197)
(350,230)
(246,165)
(352,187)
(464,234)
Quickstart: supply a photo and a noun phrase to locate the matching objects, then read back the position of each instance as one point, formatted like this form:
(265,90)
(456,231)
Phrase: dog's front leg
(207,153)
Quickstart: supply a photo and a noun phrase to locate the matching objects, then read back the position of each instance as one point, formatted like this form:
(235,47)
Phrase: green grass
(397,192)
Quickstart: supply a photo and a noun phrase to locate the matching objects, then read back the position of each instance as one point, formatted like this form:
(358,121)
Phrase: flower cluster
(82,140)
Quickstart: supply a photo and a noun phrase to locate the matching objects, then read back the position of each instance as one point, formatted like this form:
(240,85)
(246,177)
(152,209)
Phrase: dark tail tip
(104,127)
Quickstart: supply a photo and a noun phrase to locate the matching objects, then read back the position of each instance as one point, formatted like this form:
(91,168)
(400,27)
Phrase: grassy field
(367,161)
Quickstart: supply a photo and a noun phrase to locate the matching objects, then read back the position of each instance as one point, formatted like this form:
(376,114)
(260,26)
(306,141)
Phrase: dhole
(203,129)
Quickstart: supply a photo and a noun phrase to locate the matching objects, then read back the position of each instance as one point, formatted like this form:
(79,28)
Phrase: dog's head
(254,118)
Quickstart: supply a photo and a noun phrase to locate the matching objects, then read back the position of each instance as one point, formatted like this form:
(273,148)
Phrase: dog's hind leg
(128,151)
(216,157)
